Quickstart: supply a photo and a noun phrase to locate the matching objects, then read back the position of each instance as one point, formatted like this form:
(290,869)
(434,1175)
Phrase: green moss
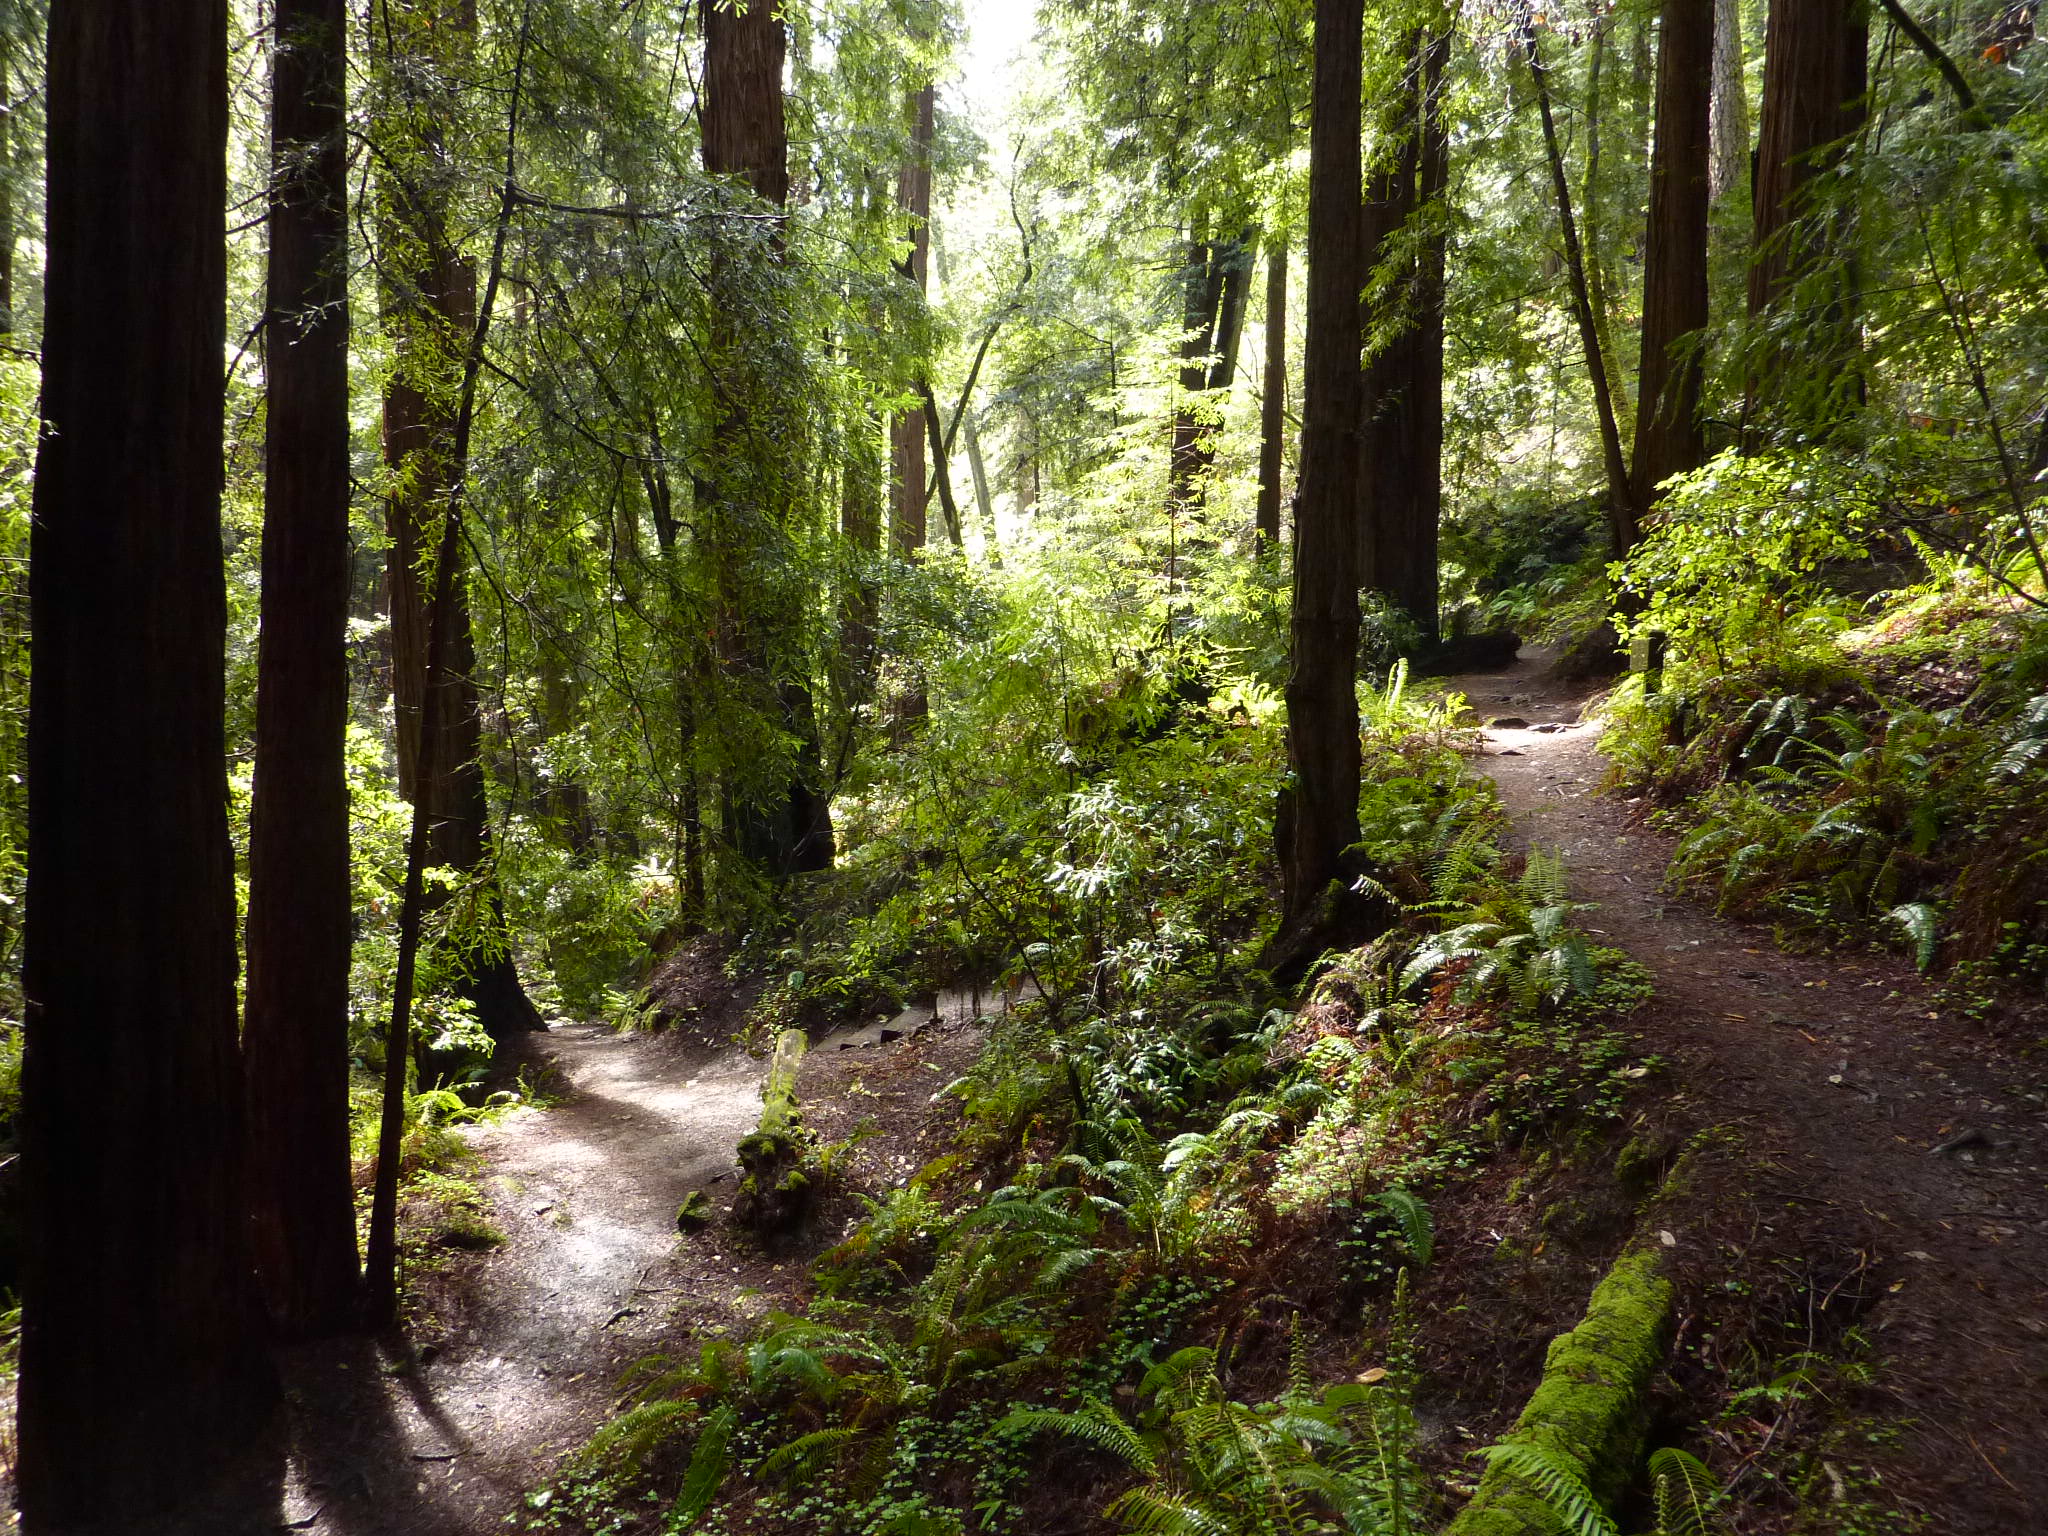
(1588,1411)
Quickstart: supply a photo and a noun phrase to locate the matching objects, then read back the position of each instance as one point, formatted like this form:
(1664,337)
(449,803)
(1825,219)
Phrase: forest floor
(1887,1151)
(1892,1146)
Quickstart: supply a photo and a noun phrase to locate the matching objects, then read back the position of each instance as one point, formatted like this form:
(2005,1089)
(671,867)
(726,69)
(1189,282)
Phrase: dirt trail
(590,1274)
(1840,1078)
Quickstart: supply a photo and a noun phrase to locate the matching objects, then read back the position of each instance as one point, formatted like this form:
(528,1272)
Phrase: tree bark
(1730,132)
(909,498)
(295,1035)
(143,1377)
(1273,402)
(1669,439)
(1319,818)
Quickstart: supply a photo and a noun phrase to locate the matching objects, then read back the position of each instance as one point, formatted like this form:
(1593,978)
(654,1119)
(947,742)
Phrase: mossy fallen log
(773,1190)
(1589,1412)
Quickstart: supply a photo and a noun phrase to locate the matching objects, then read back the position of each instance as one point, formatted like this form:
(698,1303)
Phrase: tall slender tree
(1320,814)
(1273,400)
(295,1034)
(142,1370)
(1730,130)
(1669,439)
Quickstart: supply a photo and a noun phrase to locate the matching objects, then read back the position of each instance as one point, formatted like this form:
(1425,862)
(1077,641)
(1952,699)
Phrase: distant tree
(1669,438)
(295,1035)
(430,313)
(142,1367)
(909,429)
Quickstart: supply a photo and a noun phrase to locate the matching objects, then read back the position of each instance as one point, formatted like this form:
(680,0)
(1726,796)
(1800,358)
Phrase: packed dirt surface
(591,1272)
(1895,1150)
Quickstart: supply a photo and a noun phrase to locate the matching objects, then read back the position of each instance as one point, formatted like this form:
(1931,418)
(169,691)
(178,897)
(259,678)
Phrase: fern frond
(1557,1482)
(634,1435)
(1411,1215)
(805,1455)
(1922,925)
(1149,1512)
(1686,1493)
(1096,1423)
(708,1464)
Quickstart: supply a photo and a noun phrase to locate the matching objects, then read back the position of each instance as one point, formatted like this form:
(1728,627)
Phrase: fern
(1557,1482)
(708,1463)
(1096,1423)
(1686,1493)
(1418,1230)
(1922,925)
(634,1435)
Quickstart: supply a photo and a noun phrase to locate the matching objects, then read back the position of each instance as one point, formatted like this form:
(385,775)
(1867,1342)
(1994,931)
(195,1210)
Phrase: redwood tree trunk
(1669,439)
(1320,816)
(1730,131)
(295,1036)
(1273,405)
(1815,77)
(1401,436)
(142,1372)
(745,135)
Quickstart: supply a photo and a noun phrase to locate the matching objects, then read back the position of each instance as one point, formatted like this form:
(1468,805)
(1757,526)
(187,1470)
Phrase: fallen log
(774,1190)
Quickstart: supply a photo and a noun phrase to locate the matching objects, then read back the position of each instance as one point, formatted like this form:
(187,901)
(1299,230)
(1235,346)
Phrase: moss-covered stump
(1588,1413)
(774,1191)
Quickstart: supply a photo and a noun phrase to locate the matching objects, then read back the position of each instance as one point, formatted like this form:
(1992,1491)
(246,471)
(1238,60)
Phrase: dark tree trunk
(1401,433)
(1815,78)
(434,320)
(1319,818)
(142,1370)
(909,497)
(1273,406)
(745,135)
(295,1036)
(1669,439)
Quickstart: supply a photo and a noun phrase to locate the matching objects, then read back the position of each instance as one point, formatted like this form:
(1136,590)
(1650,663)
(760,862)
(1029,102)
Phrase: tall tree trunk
(745,135)
(1319,817)
(142,1369)
(1273,400)
(433,318)
(1212,322)
(1815,78)
(1623,519)
(1401,436)
(1730,132)
(1669,439)
(295,1035)
(909,498)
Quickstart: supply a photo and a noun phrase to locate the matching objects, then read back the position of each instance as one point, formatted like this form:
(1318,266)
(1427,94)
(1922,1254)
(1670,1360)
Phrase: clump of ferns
(1212,1466)
(1513,938)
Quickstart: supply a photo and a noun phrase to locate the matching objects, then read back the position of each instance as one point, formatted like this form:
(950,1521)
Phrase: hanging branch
(1622,523)
(381,1255)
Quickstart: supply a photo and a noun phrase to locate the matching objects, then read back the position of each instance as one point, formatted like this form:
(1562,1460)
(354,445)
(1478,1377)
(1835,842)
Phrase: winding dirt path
(591,1274)
(1838,1080)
